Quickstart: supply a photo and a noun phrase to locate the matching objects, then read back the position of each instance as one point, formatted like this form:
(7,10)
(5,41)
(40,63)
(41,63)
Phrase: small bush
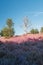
(41,30)
(34,31)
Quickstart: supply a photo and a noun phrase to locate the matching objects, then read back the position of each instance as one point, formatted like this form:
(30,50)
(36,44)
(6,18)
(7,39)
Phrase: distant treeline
(9,31)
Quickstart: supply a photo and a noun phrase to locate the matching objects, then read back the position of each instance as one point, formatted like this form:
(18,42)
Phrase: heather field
(21,32)
(23,38)
(22,50)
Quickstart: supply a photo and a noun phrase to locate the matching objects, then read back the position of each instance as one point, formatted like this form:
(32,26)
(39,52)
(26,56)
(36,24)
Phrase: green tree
(41,30)
(34,31)
(8,31)
(9,23)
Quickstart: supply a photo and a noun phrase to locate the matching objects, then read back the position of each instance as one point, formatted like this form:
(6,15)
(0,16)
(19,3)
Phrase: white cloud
(38,13)
(34,13)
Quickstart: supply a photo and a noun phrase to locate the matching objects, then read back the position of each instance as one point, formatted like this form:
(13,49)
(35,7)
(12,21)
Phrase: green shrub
(41,30)
(34,31)
(7,32)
